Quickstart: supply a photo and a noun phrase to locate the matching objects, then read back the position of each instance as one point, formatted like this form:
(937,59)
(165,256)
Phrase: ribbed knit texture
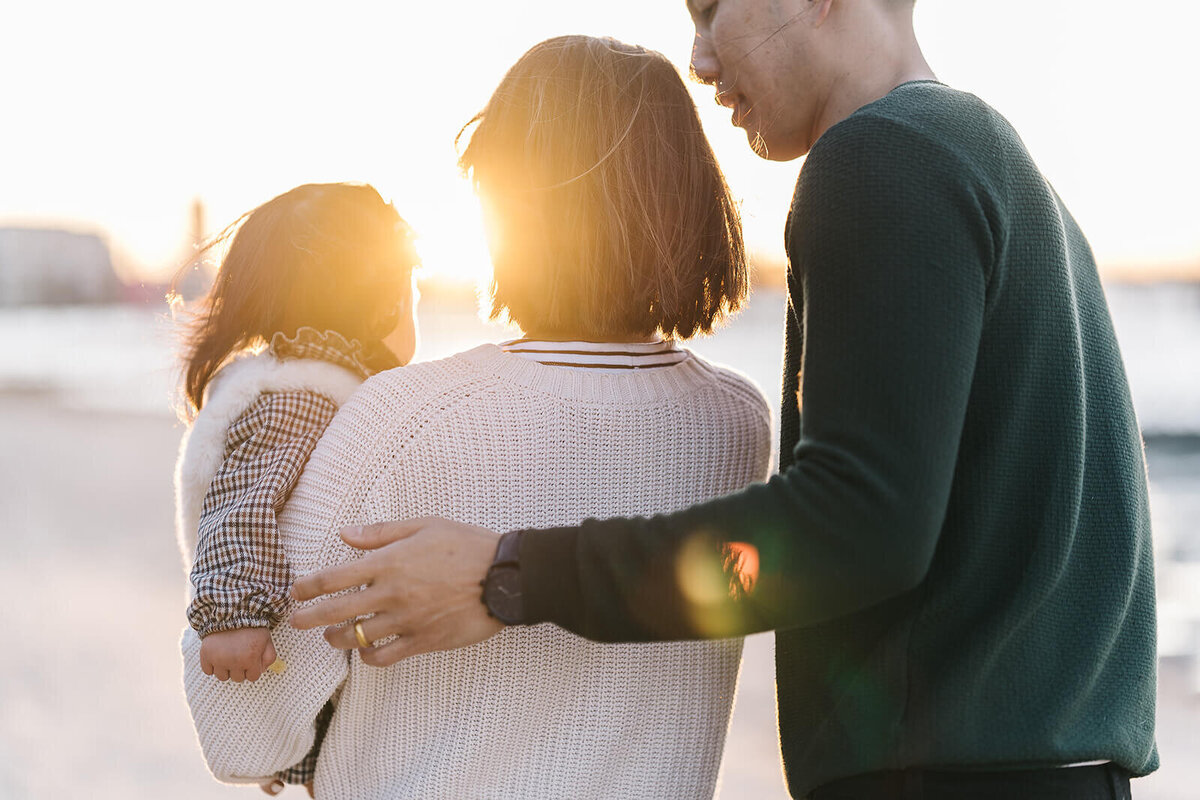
(493,439)
(956,553)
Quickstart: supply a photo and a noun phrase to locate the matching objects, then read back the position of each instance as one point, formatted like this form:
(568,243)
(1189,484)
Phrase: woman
(610,226)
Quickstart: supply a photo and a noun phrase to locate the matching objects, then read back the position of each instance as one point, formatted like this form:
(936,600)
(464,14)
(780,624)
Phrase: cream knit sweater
(491,439)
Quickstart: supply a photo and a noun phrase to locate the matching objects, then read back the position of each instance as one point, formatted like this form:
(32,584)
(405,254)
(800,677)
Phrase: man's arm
(892,246)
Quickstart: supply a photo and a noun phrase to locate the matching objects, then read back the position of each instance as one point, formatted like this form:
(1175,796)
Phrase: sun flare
(450,237)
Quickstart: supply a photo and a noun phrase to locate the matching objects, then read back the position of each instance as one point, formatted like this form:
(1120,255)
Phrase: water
(123,357)
(1158,325)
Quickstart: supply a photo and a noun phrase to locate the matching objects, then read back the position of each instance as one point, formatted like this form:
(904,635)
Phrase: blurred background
(134,130)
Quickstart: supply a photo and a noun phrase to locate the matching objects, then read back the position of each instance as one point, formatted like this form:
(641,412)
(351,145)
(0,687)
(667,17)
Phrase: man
(955,553)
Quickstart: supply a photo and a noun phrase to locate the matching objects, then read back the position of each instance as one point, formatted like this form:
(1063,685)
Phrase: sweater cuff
(549,583)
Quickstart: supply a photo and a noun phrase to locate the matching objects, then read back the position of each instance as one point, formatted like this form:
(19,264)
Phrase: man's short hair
(607,213)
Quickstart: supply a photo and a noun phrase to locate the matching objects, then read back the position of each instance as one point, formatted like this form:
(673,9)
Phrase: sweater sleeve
(889,243)
(248,731)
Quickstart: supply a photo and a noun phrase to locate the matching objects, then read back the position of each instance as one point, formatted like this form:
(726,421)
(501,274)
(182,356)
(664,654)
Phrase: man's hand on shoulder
(422,584)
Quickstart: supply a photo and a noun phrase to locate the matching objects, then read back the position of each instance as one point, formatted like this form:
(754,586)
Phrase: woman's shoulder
(740,404)
(737,384)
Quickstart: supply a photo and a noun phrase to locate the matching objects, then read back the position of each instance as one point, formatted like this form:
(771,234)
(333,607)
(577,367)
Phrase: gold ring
(362,637)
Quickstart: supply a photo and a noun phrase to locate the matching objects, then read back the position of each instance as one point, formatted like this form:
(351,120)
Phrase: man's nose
(705,67)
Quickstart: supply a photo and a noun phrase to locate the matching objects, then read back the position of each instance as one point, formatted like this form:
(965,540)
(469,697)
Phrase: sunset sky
(118,114)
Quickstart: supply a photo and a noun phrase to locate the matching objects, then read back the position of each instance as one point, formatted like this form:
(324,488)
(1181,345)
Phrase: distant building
(44,266)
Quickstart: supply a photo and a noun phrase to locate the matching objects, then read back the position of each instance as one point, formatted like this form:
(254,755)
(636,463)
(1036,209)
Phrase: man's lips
(734,104)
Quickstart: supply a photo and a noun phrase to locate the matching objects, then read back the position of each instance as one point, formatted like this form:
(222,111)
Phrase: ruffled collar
(331,346)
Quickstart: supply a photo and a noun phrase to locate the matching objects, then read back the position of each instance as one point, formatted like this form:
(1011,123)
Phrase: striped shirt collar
(598,355)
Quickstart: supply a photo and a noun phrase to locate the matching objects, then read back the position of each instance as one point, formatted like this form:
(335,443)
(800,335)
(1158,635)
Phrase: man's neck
(896,59)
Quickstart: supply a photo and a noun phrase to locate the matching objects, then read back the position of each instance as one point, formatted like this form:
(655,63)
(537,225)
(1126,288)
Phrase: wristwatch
(502,586)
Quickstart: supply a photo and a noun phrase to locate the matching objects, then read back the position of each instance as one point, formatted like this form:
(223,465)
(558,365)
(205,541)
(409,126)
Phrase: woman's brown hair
(607,213)
(333,256)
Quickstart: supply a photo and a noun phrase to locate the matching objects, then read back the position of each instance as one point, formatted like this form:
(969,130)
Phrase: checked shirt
(240,574)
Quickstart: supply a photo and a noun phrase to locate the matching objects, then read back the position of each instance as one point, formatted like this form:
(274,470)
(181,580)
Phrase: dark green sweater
(955,553)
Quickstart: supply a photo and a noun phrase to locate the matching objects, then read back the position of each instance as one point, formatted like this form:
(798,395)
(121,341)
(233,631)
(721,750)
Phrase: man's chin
(771,151)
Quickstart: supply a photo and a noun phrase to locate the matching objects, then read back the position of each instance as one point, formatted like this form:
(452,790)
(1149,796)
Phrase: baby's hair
(609,215)
(329,256)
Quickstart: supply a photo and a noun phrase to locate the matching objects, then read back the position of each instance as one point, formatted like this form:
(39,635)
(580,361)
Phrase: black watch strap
(508,551)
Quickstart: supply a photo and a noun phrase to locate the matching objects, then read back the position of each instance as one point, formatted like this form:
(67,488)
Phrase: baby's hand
(240,654)
(274,786)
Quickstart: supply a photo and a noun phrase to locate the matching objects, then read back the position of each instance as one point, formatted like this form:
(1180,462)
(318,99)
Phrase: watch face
(502,593)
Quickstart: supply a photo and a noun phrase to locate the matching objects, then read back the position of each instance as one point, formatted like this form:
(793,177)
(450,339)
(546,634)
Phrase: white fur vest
(231,392)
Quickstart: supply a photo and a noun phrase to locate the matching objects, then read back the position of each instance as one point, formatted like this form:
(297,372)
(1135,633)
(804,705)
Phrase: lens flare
(713,577)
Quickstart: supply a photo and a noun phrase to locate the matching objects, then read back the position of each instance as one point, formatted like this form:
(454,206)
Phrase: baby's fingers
(206,665)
